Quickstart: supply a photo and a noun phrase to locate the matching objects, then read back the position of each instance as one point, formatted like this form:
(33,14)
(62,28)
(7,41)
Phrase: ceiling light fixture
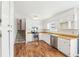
(35,17)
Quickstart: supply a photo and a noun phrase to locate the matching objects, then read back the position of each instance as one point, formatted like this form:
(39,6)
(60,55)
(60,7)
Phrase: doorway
(21,29)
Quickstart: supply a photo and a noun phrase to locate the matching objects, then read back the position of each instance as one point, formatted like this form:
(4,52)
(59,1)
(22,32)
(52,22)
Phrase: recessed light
(35,17)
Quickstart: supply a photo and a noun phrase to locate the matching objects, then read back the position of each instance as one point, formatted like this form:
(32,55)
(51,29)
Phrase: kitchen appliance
(53,41)
(35,34)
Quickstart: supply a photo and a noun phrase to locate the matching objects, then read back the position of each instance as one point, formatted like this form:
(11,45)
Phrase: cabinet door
(66,47)
(41,36)
(60,44)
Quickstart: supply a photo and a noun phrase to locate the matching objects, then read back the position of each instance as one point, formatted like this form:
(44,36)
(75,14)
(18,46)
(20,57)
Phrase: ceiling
(42,9)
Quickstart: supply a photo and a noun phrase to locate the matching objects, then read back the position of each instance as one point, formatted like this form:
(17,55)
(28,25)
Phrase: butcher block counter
(59,35)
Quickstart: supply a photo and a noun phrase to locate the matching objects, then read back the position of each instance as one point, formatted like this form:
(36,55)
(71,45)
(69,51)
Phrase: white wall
(8,23)
(23,23)
(33,23)
(5,34)
(13,29)
(0,46)
(29,24)
(0,31)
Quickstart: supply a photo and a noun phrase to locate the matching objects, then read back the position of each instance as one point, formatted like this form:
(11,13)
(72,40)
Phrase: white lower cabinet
(67,46)
(45,37)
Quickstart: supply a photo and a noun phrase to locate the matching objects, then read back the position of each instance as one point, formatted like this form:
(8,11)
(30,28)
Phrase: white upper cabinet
(67,19)
(52,26)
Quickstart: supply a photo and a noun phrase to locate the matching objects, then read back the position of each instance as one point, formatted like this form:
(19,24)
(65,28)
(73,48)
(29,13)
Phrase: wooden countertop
(60,35)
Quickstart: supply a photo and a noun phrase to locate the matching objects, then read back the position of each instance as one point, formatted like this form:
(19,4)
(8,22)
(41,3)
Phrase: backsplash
(69,31)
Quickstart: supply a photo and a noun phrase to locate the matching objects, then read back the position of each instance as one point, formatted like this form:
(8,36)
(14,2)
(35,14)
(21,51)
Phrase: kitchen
(62,27)
(40,28)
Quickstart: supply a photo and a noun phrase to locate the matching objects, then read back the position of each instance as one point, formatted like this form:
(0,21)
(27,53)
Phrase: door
(7,28)
(12,27)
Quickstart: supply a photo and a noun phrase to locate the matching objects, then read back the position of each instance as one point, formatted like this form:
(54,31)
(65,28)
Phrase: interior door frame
(7,28)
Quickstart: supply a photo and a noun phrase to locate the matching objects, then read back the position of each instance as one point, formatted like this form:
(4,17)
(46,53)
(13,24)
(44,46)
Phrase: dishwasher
(78,45)
(54,41)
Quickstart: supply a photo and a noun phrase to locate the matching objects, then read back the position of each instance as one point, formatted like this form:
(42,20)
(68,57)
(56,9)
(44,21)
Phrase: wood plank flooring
(33,49)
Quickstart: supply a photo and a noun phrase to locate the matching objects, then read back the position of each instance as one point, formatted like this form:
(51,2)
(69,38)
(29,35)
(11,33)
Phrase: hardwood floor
(33,49)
